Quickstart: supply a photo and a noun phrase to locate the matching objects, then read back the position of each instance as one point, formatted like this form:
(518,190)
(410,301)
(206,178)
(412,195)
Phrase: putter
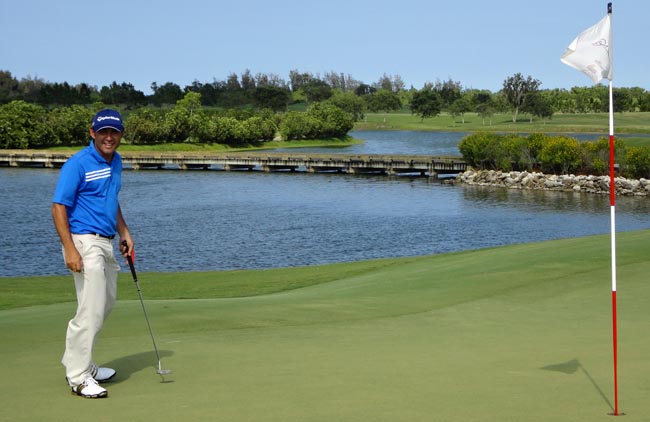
(160,371)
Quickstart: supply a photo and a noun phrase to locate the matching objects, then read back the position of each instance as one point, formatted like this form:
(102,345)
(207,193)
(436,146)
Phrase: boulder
(569,183)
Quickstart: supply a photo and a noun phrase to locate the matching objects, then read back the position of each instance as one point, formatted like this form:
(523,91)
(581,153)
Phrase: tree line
(523,95)
(519,95)
(25,125)
(236,91)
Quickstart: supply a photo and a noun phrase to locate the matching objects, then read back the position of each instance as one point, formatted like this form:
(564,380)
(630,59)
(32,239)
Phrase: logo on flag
(591,52)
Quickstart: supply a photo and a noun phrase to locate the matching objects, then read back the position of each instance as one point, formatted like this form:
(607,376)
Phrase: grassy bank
(597,123)
(519,333)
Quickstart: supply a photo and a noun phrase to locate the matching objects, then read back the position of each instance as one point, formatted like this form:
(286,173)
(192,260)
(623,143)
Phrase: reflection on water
(206,220)
(398,142)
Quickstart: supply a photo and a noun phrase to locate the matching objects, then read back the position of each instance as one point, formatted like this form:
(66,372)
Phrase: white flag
(591,51)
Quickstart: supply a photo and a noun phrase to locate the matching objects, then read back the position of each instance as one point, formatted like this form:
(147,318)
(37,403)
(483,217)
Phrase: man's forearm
(125,235)
(60,217)
(72,258)
(122,228)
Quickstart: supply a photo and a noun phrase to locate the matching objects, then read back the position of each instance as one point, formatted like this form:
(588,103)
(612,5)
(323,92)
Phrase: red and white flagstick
(612,200)
(612,194)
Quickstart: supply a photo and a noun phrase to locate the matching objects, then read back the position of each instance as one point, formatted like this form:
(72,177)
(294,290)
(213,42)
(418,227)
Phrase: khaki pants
(96,289)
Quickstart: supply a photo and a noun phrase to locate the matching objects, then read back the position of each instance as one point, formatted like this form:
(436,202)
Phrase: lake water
(399,142)
(417,143)
(211,220)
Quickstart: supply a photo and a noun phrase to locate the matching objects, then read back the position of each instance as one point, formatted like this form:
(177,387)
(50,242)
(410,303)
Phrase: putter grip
(131,266)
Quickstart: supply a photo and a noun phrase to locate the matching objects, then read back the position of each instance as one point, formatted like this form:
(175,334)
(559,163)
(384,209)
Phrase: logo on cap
(108,118)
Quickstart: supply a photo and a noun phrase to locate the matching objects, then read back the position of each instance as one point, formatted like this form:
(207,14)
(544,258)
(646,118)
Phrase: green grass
(637,142)
(561,123)
(18,292)
(519,333)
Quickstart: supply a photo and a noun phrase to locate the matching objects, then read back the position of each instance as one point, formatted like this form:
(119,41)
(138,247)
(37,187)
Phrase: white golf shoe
(104,374)
(90,389)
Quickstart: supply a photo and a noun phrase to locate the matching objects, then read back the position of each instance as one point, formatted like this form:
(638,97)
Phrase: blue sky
(478,43)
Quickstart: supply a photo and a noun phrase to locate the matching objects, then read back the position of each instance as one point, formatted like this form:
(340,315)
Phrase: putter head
(160,371)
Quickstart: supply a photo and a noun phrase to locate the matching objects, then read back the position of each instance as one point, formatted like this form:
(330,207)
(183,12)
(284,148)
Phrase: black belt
(111,237)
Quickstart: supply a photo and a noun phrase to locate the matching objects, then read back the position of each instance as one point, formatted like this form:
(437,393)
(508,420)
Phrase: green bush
(335,122)
(595,156)
(352,104)
(186,121)
(534,144)
(296,125)
(145,126)
(221,130)
(541,152)
(638,162)
(70,125)
(486,151)
(24,125)
(598,167)
(256,129)
(560,154)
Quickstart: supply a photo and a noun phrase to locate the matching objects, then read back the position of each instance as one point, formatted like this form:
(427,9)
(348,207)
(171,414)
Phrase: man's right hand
(73,260)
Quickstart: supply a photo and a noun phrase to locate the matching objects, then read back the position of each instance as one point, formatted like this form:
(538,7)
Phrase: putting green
(520,333)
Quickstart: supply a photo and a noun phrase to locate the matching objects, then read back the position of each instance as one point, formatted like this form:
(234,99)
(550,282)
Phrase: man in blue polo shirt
(87,216)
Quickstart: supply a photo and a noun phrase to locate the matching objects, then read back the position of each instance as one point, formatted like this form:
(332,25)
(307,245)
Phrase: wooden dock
(422,165)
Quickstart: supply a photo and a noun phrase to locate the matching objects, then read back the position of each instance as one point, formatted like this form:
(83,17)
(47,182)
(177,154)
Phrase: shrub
(70,125)
(534,144)
(256,129)
(487,150)
(24,125)
(560,154)
(296,125)
(335,122)
(186,121)
(145,126)
(350,103)
(638,162)
(221,130)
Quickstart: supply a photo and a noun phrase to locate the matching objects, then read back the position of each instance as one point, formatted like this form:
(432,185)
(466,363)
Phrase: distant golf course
(597,123)
(516,333)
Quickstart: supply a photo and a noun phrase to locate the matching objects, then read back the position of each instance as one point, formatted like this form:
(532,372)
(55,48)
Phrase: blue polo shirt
(88,187)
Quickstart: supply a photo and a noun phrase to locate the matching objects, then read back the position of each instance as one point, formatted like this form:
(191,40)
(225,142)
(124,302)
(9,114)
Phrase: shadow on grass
(129,365)
(573,366)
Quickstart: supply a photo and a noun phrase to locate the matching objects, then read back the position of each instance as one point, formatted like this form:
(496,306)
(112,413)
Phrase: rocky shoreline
(567,183)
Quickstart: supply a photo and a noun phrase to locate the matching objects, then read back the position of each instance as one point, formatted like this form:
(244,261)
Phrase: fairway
(518,333)
(596,123)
